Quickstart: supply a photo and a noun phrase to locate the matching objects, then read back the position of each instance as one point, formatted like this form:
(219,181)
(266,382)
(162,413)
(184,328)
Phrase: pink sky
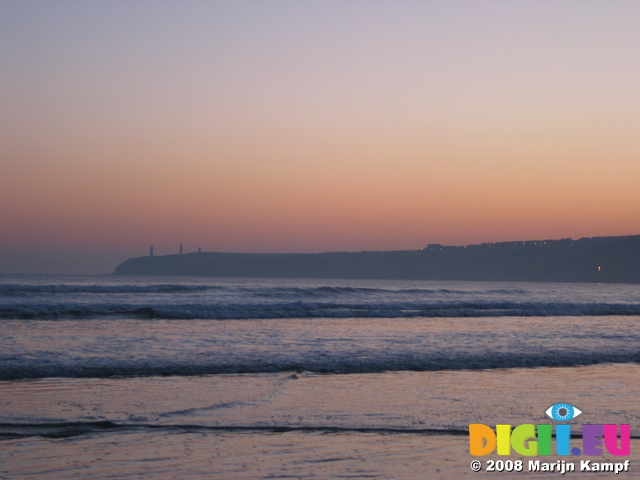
(312,126)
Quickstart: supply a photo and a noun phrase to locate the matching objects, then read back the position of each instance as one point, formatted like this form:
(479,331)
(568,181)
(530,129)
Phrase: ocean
(121,377)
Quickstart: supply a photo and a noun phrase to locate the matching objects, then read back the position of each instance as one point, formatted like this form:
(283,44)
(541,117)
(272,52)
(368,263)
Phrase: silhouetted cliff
(600,259)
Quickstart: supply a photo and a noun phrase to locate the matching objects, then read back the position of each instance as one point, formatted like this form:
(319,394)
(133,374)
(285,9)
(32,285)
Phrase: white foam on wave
(307,309)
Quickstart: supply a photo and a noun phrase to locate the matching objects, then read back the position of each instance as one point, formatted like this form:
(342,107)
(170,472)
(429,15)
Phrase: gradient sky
(310,126)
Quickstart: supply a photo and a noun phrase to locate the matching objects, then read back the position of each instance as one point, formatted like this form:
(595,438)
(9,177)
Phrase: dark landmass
(598,259)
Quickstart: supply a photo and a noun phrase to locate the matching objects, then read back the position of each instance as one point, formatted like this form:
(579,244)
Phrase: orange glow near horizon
(280,128)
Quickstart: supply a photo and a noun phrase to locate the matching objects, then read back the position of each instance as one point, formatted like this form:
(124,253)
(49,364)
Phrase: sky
(311,126)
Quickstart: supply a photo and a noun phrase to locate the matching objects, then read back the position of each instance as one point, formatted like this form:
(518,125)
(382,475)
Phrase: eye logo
(537,440)
(562,412)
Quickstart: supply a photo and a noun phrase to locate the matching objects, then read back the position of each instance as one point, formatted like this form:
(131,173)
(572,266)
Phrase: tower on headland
(180,249)
(151,251)
(199,250)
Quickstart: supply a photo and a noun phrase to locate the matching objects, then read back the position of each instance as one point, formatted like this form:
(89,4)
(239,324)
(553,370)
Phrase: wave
(324,291)
(306,309)
(332,290)
(335,364)
(15,289)
(70,429)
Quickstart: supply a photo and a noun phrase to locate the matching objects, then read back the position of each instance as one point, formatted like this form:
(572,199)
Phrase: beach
(112,377)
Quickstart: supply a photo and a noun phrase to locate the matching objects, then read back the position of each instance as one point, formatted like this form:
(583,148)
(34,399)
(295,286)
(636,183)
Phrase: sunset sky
(312,126)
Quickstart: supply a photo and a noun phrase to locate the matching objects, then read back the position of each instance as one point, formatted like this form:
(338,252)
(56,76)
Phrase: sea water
(176,377)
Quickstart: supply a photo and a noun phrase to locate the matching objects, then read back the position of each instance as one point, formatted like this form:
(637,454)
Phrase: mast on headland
(587,260)
(151,251)
(180,249)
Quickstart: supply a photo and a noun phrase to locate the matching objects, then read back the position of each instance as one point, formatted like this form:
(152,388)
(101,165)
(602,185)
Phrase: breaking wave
(336,364)
(310,309)
(15,289)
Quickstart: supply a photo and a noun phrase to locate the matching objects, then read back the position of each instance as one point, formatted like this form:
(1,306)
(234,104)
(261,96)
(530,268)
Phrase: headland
(597,259)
